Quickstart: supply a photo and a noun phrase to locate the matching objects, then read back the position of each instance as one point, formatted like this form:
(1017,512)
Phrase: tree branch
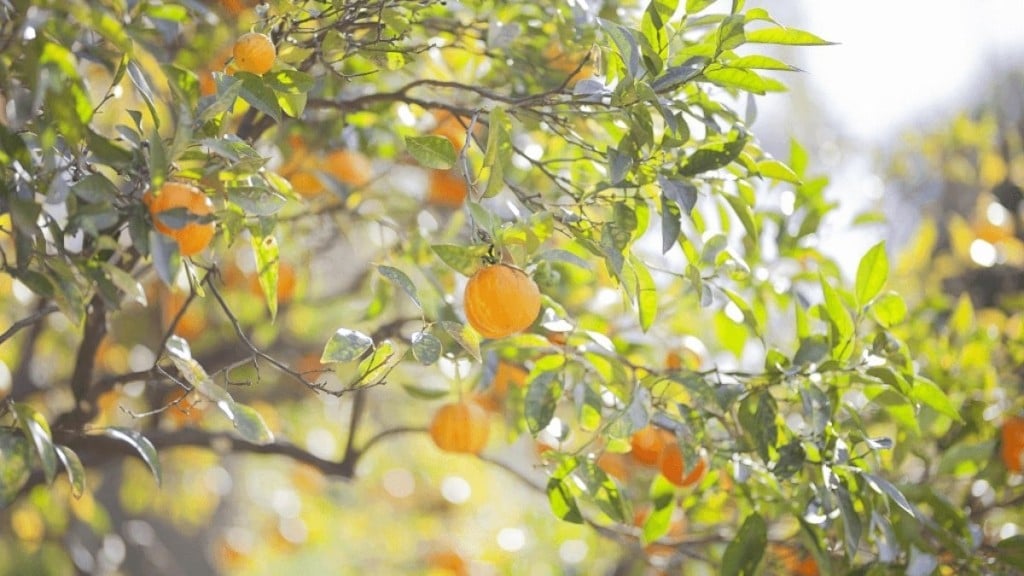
(39,314)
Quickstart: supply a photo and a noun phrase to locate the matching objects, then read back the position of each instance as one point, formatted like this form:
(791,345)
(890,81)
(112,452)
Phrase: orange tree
(657,274)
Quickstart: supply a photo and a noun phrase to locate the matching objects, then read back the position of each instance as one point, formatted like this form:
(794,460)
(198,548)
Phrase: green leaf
(95,188)
(250,425)
(715,155)
(627,47)
(785,36)
(426,347)
(399,278)
(138,78)
(646,293)
(841,319)
(33,425)
(431,151)
(463,259)
(852,527)
(267,254)
(1010,551)
(758,414)
(374,369)
(872,272)
(761,63)
(75,470)
(777,171)
(289,81)
(126,283)
(259,95)
(670,223)
(141,444)
(743,79)
(563,502)
(464,336)
(883,486)
(744,552)
(499,150)
(345,345)
(542,395)
(889,309)
(16,468)
(929,393)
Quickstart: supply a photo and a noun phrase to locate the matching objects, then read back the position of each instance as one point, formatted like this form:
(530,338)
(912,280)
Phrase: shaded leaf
(16,468)
(141,444)
(464,336)
(744,552)
(36,430)
(426,347)
(403,281)
(883,486)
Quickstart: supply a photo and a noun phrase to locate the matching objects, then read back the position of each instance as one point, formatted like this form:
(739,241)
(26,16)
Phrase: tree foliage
(393,149)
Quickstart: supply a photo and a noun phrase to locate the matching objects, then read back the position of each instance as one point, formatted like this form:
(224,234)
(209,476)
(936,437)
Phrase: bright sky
(899,66)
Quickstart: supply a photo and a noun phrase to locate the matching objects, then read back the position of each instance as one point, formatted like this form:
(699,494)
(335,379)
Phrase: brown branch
(85,362)
(39,314)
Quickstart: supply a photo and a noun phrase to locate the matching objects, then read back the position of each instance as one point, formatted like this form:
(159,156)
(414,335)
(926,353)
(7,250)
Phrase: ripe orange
(187,410)
(460,427)
(556,58)
(614,465)
(348,167)
(193,237)
(192,322)
(254,52)
(506,374)
(648,444)
(446,188)
(447,562)
(795,560)
(501,300)
(1012,448)
(451,127)
(306,183)
(672,467)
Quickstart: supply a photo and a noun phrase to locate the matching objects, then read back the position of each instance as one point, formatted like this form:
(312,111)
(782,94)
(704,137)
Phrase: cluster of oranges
(655,447)
(306,170)
(447,188)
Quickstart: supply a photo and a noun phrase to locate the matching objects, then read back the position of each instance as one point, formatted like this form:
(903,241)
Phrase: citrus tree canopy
(501,283)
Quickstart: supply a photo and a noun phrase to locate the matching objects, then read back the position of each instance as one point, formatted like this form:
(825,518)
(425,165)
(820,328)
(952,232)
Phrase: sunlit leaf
(75,469)
(345,345)
(17,465)
(872,272)
(431,151)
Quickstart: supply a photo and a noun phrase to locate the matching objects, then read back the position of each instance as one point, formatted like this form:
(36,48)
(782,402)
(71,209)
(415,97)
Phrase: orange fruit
(348,167)
(286,282)
(447,562)
(1012,447)
(452,127)
(556,58)
(446,188)
(306,183)
(192,322)
(795,560)
(193,237)
(460,427)
(648,444)
(501,300)
(614,465)
(507,373)
(672,468)
(187,410)
(254,52)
